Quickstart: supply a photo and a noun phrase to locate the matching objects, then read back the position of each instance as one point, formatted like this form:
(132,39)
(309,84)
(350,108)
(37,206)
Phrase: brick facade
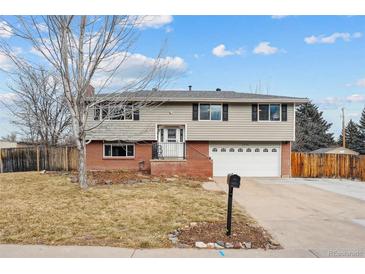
(95,160)
(197,163)
(286,159)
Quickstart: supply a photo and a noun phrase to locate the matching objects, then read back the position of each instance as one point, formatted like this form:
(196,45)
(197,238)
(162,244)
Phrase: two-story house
(195,133)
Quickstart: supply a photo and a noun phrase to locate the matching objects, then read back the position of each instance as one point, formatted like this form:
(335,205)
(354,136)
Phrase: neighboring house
(335,150)
(7,144)
(197,133)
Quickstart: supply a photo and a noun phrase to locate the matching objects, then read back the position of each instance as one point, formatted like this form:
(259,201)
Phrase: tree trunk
(82,164)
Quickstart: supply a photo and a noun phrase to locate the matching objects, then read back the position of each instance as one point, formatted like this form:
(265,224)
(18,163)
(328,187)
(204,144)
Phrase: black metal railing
(168,151)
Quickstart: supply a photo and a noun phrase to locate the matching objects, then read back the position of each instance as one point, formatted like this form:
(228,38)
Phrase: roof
(203,95)
(335,150)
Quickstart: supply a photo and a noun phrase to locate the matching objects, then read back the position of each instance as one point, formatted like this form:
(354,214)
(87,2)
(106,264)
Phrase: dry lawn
(48,209)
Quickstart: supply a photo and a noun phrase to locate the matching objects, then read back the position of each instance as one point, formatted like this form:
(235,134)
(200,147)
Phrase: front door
(171,142)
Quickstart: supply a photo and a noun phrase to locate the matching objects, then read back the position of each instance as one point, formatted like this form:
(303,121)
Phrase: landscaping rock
(237,245)
(210,245)
(131,182)
(228,245)
(221,243)
(247,245)
(217,246)
(155,180)
(43,172)
(108,182)
(171,179)
(174,240)
(193,224)
(74,179)
(200,245)
(145,181)
(274,242)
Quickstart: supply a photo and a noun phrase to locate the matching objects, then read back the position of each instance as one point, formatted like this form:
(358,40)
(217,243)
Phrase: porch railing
(168,151)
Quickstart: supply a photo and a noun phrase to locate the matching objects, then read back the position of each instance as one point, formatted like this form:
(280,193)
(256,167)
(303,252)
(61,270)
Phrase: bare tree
(85,50)
(39,108)
(11,137)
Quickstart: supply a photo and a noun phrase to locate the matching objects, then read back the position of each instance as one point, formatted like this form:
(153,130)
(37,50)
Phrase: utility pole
(343,128)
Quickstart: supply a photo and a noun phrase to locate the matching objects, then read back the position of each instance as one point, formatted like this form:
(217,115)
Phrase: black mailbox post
(233,181)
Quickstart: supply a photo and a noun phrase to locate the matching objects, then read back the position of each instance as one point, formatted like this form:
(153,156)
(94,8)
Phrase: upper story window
(106,111)
(210,112)
(118,150)
(269,112)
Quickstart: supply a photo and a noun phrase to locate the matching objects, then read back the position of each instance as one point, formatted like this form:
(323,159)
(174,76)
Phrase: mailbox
(233,180)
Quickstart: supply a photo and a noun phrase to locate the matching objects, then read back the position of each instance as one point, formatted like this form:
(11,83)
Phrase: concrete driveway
(313,214)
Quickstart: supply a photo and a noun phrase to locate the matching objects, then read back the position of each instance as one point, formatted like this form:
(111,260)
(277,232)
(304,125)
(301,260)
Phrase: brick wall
(95,160)
(285,159)
(197,163)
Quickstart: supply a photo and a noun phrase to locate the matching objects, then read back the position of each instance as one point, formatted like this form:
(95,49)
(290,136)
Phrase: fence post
(1,161)
(38,158)
(66,160)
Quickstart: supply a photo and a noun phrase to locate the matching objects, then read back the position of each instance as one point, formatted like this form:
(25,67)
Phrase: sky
(319,57)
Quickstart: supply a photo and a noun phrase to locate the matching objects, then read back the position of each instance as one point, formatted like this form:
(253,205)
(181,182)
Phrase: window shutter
(136,114)
(225,112)
(254,112)
(284,112)
(195,112)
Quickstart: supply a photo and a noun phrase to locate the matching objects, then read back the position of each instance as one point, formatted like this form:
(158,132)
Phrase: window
(171,135)
(248,150)
(275,112)
(265,150)
(269,112)
(115,112)
(162,135)
(181,135)
(96,113)
(257,150)
(240,150)
(214,149)
(210,112)
(231,150)
(223,150)
(274,150)
(118,150)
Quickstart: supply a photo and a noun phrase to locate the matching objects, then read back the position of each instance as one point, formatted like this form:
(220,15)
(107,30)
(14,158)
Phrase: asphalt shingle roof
(187,95)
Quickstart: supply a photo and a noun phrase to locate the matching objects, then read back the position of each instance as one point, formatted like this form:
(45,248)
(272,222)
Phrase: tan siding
(238,128)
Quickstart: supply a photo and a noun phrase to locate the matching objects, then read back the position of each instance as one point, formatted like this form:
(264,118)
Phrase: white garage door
(246,160)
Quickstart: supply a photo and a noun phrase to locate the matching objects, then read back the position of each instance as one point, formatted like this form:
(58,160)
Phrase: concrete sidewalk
(43,251)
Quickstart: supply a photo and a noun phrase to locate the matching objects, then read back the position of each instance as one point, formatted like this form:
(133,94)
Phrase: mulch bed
(241,232)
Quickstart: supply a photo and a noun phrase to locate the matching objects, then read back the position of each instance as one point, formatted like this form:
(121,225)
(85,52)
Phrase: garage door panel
(246,164)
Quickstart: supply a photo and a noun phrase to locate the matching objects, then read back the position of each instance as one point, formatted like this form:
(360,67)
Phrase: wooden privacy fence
(38,158)
(328,165)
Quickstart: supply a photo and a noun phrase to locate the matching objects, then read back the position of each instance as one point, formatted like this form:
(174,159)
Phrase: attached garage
(246,159)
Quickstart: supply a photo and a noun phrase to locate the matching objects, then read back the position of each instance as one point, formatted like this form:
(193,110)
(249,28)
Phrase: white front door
(247,160)
(171,141)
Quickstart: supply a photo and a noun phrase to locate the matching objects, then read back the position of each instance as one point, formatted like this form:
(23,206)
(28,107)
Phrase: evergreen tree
(311,129)
(362,122)
(354,137)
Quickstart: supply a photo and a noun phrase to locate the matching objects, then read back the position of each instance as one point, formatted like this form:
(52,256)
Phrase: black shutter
(254,112)
(195,112)
(136,114)
(284,112)
(225,112)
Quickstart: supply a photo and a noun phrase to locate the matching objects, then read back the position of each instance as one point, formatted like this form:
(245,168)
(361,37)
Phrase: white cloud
(5,30)
(136,66)
(331,39)
(265,49)
(7,97)
(153,21)
(196,56)
(278,16)
(221,51)
(356,98)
